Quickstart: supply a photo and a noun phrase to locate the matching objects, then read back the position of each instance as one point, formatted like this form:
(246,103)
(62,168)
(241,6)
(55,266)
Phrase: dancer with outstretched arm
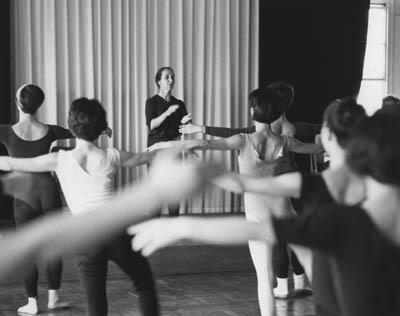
(348,235)
(86,175)
(259,154)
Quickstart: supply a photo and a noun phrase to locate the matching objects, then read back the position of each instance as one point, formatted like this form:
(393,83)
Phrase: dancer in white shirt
(86,175)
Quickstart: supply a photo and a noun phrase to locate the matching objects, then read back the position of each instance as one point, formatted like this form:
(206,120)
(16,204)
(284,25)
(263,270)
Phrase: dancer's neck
(263,128)
(337,158)
(166,95)
(27,118)
(84,145)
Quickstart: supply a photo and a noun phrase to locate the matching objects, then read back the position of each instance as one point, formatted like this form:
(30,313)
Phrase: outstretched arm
(231,143)
(215,131)
(130,159)
(159,233)
(288,185)
(42,163)
(55,235)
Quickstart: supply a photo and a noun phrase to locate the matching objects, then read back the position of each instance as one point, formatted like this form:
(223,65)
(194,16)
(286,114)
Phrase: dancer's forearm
(38,164)
(287,185)
(158,233)
(225,231)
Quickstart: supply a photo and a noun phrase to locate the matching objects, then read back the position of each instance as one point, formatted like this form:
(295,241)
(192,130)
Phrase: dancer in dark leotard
(30,138)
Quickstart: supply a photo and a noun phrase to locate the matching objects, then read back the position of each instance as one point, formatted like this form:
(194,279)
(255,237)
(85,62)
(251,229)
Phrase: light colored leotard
(254,163)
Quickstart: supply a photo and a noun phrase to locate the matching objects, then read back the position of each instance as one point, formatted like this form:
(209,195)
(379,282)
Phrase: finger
(140,241)
(149,249)
(134,244)
(141,227)
(134,229)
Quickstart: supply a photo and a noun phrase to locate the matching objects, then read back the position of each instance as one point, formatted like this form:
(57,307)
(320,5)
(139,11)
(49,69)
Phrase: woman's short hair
(341,116)
(285,92)
(266,105)
(374,149)
(159,74)
(29,98)
(87,119)
(390,100)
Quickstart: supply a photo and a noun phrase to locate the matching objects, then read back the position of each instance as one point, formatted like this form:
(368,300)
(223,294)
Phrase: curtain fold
(111,49)
(318,46)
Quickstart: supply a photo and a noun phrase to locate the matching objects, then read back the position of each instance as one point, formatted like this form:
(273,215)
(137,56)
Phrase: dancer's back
(87,178)
(259,156)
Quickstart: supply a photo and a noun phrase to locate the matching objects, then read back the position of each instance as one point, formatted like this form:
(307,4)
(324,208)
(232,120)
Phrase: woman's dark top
(364,262)
(169,129)
(20,148)
(314,197)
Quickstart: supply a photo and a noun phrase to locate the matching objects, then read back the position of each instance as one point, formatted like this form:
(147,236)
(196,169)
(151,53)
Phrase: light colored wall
(394,52)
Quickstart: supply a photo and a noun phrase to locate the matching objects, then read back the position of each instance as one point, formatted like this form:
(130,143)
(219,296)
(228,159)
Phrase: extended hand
(228,182)
(154,234)
(191,129)
(187,118)
(172,109)
(173,180)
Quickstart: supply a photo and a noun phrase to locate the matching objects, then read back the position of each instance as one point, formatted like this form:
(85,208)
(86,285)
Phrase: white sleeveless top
(254,164)
(83,191)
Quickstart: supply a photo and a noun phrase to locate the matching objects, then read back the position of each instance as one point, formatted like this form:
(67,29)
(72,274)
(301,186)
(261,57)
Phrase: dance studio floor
(208,294)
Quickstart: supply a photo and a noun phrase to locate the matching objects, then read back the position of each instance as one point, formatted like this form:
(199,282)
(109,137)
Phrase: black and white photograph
(200,157)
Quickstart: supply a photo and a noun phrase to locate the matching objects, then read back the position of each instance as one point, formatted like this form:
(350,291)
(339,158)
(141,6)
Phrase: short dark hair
(374,150)
(87,119)
(390,100)
(285,92)
(159,74)
(29,98)
(266,105)
(341,116)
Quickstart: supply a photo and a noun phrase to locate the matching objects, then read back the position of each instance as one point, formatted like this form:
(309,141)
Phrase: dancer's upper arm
(287,185)
(130,159)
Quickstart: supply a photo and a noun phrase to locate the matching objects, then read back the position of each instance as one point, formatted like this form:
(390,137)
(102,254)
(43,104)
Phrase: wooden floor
(206,294)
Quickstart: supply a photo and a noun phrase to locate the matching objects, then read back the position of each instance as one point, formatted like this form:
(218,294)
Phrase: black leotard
(363,263)
(28,205)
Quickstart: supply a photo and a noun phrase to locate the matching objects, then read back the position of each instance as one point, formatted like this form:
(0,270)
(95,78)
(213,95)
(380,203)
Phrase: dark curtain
(316,45)
(5,93)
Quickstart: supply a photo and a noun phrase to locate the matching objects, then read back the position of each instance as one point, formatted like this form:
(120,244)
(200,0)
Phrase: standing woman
(164,115)
(26,139)
(259,154)
(281,126)
(86,176)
